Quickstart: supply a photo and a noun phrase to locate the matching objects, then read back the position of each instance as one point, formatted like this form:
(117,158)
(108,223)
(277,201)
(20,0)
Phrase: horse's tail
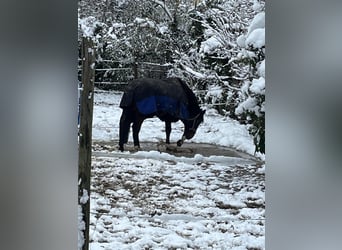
(125,123)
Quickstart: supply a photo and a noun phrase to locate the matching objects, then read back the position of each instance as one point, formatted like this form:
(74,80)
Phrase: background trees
(217,46)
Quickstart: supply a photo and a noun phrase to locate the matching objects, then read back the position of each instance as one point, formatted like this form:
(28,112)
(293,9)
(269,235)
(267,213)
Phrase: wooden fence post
(85,133)
(135,69)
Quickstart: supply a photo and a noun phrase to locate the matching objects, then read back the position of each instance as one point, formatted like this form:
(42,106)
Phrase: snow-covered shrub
(226,60)
(251,106)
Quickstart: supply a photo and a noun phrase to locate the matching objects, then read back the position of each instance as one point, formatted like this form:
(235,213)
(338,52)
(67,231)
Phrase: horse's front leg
(181,141)
(136,129)
(168,131)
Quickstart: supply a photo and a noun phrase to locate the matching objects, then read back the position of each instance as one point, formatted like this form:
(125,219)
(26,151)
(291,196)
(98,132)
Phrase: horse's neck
(194,111)
(193,106)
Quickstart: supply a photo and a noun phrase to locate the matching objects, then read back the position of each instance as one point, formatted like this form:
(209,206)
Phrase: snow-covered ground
(146,202)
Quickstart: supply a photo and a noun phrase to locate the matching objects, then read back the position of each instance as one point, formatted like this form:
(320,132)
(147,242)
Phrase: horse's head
(191,125)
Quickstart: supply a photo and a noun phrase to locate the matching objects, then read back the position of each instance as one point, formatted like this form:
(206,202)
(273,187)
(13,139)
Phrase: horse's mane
(193,106)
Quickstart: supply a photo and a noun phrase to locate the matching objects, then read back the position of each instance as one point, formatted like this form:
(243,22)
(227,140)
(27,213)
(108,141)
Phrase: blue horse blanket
(152,96)
(165,104)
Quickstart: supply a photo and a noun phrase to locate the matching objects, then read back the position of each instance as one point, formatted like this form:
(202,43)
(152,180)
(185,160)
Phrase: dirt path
(188,150)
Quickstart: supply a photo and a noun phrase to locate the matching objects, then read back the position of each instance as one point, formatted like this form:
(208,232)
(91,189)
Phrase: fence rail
(113,83)
(111,74)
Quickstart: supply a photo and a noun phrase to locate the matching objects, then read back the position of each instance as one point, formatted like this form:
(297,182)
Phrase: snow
(139,20)
(261,69)
(256,32)
(88,25)
(163,29)
(249,104)
(81,223)
(148,203)
(118,25)
(258,22)
(196,159)
(84,197)
(144,22)
(210,45)
(193,72)
(155,200)
(258,86)
(257,6)
(241,41)
(214,92)
(256,38)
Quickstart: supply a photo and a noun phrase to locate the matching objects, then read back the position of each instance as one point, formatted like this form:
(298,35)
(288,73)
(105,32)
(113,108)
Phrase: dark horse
(169,99)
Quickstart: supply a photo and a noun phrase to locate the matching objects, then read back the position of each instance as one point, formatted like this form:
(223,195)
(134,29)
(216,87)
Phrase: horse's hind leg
(168,131)
(125,123)
(136,129)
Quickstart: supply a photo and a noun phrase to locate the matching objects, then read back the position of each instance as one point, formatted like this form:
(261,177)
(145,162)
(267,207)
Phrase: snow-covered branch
(165,8)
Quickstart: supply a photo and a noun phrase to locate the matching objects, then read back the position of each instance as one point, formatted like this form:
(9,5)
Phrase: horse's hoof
(121,148)
(136,148)
(179,143)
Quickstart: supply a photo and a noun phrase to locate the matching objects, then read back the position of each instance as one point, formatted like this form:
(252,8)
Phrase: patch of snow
(261,69)
(256,38)
(258,86)
(214,92)
(144,22)
(191,71)
(241,41)
(257,6)
(250,104)
(210,45)
(175,241)
(85,197)
(118,25)
(88,25)
(258,22)
(197,158)
(163,29)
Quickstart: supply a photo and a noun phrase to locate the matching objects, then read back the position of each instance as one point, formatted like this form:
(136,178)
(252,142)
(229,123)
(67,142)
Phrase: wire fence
(113,75)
